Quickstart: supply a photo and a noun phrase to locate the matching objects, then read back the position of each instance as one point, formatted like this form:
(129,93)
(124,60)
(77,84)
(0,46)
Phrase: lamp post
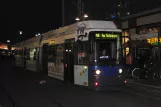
(38,34)
(80,9)
(8,41)
(82,17)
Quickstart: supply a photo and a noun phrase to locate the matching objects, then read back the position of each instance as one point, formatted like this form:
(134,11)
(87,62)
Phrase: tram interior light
(120,71)
(98,72)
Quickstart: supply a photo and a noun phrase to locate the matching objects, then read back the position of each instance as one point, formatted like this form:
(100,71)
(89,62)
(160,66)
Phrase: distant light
(128,13)
(125,82)
(118,13)
(77,19)
(119,5)
(20,32)
(113,16)
(8,41)
(85,16)
(38,34)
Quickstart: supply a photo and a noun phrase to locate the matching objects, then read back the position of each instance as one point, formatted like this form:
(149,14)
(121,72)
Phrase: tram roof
(90,24)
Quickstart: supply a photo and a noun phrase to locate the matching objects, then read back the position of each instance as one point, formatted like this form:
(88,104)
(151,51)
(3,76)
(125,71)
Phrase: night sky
(32,18)
(42,16)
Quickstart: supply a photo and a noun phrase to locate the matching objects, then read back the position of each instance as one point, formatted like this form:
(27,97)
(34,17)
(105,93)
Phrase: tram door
(69,61)
(44,58)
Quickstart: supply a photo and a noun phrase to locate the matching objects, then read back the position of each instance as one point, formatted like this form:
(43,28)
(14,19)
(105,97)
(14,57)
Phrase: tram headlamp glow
(120,71)
(98,72)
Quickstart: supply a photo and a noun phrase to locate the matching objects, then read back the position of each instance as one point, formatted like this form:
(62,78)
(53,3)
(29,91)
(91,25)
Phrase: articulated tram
(86,53)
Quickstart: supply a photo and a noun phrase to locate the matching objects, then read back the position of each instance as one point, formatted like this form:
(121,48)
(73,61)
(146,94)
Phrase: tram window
(31,54)
(27,54)
(59,56)
(56,54)
(82,53)
(51,54)
(106,51)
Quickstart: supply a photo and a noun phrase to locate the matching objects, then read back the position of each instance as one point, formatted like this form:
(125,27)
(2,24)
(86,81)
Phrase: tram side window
(31,54)
(59,56)
(55,54)
(82,53)
(27,54)
(51,54)
(16,54)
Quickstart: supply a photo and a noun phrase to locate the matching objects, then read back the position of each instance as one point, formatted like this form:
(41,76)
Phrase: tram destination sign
(106,36)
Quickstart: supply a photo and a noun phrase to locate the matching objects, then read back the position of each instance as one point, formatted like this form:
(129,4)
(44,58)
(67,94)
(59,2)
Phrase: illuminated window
(148,30)
(125,51)
(125,34)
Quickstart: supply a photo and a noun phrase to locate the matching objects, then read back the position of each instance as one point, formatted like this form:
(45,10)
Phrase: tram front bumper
(110,83)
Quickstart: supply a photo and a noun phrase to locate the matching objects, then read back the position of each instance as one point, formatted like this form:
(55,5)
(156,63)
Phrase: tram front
(105,69)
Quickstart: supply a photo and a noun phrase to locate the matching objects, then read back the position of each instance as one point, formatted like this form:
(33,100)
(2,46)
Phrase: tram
(86,53)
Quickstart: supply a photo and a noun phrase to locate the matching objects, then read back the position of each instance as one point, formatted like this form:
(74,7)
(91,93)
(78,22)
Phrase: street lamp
(38,34)
(8,41)
(20,32)
(82,17)
(128,13)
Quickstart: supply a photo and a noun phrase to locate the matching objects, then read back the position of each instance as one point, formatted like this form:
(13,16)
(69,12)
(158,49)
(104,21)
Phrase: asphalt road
(22,88)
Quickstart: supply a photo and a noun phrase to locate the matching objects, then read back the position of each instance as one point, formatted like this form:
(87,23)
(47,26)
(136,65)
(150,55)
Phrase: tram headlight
(120,71)
(98,72)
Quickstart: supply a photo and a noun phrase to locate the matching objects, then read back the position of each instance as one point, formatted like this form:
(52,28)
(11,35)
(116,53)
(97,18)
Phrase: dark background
(42,16)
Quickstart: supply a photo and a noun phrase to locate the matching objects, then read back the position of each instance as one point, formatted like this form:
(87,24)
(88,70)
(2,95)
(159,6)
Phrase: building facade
(142,26)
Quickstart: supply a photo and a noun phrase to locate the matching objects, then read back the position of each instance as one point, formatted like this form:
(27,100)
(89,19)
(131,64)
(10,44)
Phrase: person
(129,59)
(104,52)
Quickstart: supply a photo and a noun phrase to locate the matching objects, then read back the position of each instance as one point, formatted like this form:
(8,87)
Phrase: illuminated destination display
(105,36)
(154,41)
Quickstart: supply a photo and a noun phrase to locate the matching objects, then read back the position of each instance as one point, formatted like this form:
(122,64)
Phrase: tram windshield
(106,52)
(107,48)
